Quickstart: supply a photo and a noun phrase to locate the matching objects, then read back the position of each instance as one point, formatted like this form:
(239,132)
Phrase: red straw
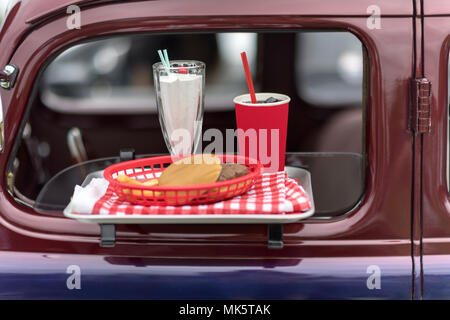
(249,77)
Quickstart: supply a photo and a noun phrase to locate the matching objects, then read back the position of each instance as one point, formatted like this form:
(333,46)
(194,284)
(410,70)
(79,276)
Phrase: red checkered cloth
(273,193)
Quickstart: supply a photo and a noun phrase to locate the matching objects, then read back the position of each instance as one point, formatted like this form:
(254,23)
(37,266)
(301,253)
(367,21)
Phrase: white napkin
(84,199)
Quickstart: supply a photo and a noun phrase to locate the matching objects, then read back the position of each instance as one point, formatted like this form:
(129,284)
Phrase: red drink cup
(262,129)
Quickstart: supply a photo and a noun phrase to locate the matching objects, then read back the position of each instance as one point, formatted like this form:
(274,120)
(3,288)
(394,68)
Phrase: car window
(103,76)
(330,69)
(99,98)
(3,5)
(5,8)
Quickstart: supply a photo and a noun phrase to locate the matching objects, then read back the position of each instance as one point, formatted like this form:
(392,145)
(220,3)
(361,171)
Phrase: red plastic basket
(150,168)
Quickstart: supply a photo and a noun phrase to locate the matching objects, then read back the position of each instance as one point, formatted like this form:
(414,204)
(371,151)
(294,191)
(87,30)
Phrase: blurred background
(98,77)
(5,6)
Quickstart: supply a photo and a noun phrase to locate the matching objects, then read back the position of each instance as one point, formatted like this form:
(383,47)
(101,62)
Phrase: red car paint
(406,191)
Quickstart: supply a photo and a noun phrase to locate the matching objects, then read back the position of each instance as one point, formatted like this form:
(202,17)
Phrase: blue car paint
(44,276)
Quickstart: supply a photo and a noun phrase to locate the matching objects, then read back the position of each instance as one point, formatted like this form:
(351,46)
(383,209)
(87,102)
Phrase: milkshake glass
(180,98)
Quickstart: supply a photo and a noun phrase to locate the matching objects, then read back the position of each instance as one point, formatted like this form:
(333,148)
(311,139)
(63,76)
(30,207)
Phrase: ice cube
(271,100)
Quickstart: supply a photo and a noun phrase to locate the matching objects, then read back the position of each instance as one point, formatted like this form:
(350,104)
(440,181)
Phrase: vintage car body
(401,225)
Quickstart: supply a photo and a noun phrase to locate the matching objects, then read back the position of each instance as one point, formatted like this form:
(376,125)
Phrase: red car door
(364,253)
(433,209)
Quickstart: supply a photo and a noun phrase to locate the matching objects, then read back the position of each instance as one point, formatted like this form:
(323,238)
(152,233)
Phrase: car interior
(97,98)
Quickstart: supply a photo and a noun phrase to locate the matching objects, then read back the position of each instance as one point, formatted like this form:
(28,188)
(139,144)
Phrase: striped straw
(163,61)
(166,56)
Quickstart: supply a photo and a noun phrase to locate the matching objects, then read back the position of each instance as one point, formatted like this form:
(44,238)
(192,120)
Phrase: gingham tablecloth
(273,193)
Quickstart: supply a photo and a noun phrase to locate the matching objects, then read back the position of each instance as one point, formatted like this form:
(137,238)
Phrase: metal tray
(302,175)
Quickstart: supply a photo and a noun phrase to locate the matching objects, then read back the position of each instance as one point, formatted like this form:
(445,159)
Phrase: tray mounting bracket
(108,235)
(275,236)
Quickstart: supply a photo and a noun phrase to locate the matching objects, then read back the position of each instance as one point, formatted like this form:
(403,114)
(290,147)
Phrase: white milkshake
(181,101)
